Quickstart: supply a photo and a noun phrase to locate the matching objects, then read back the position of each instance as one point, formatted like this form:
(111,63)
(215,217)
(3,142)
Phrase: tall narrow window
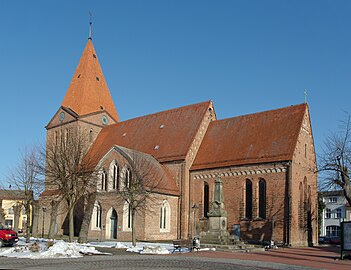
(165,216)
(128,179)
(206,199)
(129,217)
(115,179)
(103,181)
(262,199)
(96,216)
(248,199)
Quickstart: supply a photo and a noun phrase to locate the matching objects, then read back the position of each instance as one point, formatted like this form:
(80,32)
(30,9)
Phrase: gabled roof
(88,91)
(255,138)
(156,177)
(8,194)
(166,135)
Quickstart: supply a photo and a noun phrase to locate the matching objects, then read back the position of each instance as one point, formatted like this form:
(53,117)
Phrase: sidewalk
(322,257)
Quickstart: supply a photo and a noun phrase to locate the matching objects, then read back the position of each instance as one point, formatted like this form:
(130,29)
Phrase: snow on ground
(59,249)
(62,249)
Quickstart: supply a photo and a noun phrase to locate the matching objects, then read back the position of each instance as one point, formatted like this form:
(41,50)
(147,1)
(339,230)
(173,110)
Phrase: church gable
(62,116)
(269,136)
(156,177)
(166,135)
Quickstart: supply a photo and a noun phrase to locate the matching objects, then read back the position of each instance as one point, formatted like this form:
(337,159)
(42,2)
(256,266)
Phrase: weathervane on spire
(305,92)
(91,26)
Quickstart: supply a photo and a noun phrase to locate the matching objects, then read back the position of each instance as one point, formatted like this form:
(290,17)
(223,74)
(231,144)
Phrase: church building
(266,162)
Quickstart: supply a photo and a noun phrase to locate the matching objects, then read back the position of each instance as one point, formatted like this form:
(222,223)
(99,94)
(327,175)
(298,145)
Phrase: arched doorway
(114,222)
(111,224)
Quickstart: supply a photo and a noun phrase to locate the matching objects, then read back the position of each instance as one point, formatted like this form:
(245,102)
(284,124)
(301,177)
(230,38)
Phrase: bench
(181,243)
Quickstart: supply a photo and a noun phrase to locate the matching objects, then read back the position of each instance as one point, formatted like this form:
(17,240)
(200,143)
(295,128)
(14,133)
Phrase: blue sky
(246,56)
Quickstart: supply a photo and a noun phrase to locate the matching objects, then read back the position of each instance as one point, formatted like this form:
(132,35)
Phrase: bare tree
(143,179)
(26,177)
(69,170)
(336,160)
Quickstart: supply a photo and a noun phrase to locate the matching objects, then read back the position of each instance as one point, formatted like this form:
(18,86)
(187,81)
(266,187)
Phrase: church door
(113,224)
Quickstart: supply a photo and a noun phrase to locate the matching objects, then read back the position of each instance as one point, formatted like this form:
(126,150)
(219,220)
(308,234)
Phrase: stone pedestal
(217,233)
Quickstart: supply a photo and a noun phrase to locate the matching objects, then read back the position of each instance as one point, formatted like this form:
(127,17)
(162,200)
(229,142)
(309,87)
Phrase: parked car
(334,240)
(7,237)
(323,240)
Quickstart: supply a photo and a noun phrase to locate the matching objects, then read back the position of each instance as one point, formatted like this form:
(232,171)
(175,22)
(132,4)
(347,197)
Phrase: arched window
(301,203)
(206,199)
(262,199)
(248,199)
(115,177)
(103,181)
(96,217)
(165,216)
(127,217)
(128,179)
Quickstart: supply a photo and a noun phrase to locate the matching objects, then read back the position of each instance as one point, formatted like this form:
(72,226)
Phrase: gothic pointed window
(128,179)
(262,199)
(165,217)
(96,216)
(115,176)
(127,217)
(206,199)
(103,181)
(248,199)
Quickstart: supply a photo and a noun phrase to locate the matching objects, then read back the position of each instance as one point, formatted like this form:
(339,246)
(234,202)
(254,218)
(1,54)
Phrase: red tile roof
(255,138)
(88,91)
(50,192)
(165,135)
(10,194)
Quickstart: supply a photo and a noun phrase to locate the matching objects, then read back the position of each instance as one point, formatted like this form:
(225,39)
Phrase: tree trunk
(16,214)
(54,206)
(88,211)
(133,228)
(71,222)
(28,225)
(35,218)
(2,216)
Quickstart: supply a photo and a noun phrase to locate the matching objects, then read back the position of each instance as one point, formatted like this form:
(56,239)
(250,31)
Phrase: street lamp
(42,227)
(196,241)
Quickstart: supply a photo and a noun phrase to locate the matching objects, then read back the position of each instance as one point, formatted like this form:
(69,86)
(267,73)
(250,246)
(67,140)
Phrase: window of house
(327,213)
(262,198)
(165,216)
(248,199)
(338,213)
(333,231)
(333,199)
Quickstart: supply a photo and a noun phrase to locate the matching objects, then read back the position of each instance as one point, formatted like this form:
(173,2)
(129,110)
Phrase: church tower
(87,106)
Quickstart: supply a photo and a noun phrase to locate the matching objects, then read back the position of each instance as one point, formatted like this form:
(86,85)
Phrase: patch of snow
(60,249)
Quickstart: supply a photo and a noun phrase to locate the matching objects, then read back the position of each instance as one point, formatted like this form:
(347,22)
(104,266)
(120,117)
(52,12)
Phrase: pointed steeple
(88,91)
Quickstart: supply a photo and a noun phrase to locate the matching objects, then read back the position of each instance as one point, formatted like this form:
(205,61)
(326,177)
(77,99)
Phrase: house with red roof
(266,161)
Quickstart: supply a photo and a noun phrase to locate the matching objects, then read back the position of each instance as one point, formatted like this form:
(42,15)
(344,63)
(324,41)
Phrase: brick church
(266,162)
